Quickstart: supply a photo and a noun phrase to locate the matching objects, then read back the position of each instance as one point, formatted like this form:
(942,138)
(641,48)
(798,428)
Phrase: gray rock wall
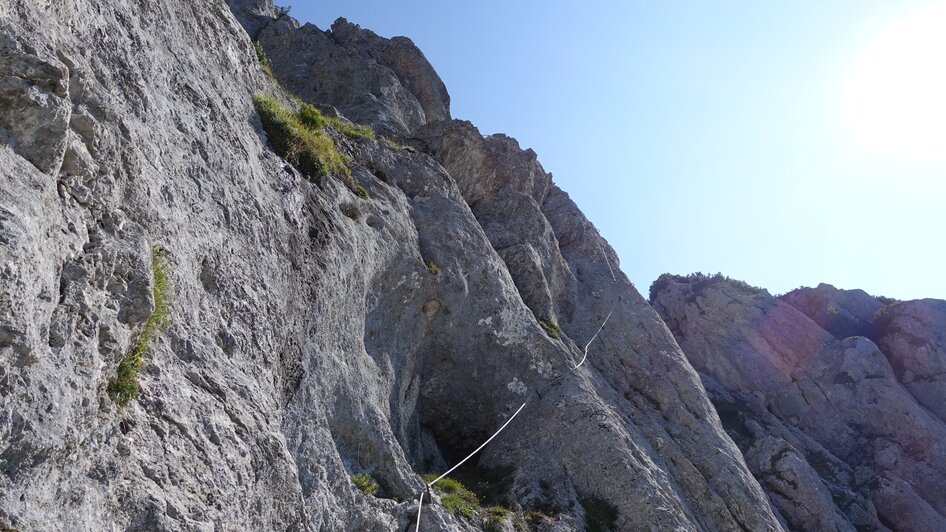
(835,435)
(308,339)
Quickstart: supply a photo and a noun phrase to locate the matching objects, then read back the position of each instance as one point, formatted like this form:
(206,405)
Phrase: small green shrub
(362,192)
(600,515)
(365,483)
(700,282)
(265,63)
(309,148)
(495,516)
(124,386)
(458,500)
(551,328)
(433,267)
(310,116)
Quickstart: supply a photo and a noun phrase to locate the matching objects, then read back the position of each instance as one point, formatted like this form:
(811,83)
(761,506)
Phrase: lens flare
(895,95)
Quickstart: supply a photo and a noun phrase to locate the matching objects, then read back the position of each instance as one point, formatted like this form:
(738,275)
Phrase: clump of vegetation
(298,138)
(887,300)
(265,63)
(495,516)
(455,497)
(365,483)
(491,485)
(470,488)
(311,116)
(124,386)
(362,192)
(700,282)
(551,328)
(434,267)
(397,145)
(350,130)
(600,515)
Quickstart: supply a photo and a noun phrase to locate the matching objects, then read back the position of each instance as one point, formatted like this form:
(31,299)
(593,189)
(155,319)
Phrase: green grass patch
(551,328)
(312,117)
(496,516)
(124,387)
(362,192)
(350,130)
(365,483)
(600,515)
(265,63)
(433,267)
(297,137)
(397,145)
(490,485)
(465,494)
(455,497)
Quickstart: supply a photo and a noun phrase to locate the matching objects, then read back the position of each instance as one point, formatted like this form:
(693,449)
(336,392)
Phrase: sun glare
(895,96)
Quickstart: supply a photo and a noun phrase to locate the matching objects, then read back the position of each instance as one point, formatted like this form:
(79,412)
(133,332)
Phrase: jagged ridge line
(420,500)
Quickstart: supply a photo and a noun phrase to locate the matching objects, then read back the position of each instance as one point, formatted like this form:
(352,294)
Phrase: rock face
(315,333)
(386,83)
(825,421)
(842,313)
(913,336)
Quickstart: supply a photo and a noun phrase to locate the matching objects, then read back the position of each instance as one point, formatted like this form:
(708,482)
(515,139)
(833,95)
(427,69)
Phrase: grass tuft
(394,145)
(365,483)
(350,130)
(495,517)
(458,500)
(362,192)
(551,328)
(310,116)
(124,387)
(433,267)
(296,138)
(265,63)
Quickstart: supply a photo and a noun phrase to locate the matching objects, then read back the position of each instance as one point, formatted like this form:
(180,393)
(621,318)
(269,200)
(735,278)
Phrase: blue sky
(712,136)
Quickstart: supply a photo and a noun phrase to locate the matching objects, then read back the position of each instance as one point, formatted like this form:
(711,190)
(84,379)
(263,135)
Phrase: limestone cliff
(835,397)
(378,321)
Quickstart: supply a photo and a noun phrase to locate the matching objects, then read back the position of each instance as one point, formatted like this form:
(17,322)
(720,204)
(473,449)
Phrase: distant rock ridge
(331,338)
(837,429)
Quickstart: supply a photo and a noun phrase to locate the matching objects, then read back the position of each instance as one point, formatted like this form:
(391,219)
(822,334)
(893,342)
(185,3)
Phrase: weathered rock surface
(308,340)
(385,83)
(912,334)
(253,14)
(834,403)
(309,337)
(842,313)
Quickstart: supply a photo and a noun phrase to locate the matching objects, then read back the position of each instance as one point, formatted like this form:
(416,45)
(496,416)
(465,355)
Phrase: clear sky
(782,143)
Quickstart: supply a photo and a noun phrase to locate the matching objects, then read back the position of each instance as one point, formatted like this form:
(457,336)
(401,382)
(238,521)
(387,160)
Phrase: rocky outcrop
(386,83)
(386,324)
(309,335)
(842,313)
(912,334)
(797,399)
(253,14)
